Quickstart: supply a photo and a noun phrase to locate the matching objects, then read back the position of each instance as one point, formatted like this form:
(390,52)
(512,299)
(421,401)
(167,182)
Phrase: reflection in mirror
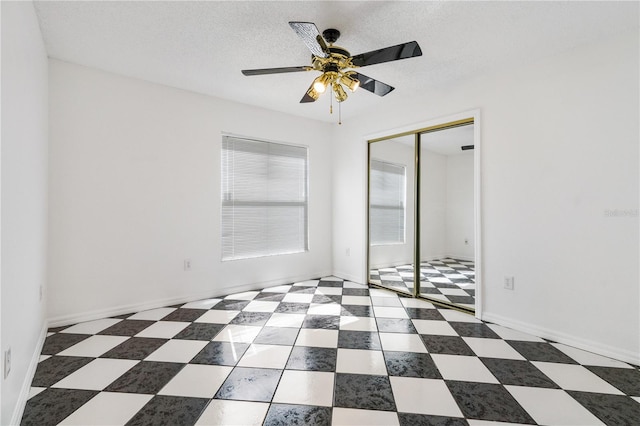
(391,213)
(447,246)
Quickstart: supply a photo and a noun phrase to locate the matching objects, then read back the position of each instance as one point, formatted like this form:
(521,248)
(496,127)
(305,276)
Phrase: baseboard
(75,318)
(348,277)
(28,378)
(584,344)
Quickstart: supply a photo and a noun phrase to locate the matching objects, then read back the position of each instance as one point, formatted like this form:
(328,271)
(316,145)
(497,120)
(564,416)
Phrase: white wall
(559,149)
(24,200)
(459,217)
(135,190)
(387,255)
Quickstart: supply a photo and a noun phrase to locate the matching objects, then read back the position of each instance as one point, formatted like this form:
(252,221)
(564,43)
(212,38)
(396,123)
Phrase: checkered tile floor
(320,352)
(447,280)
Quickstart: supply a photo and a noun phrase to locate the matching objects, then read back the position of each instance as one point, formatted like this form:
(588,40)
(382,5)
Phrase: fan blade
(307,98)
(374,86)
(263,71)
(309,34)
(392,53)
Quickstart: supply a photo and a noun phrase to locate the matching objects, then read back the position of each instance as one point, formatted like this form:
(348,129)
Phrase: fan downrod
(331,35)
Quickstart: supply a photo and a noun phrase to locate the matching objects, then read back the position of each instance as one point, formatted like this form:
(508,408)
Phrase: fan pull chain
(330,104)
(339,112)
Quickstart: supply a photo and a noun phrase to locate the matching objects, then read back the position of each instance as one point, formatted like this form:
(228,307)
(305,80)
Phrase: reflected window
(387,203)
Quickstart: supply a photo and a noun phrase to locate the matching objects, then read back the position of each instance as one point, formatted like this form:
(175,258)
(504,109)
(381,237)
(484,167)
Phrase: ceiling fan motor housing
(331,35)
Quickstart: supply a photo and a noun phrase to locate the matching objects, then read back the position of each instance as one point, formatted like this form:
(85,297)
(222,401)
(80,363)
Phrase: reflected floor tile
(220,353)
(424,396)
(108,408)
(552,406)
(250,384)
(305,388)
(228,412)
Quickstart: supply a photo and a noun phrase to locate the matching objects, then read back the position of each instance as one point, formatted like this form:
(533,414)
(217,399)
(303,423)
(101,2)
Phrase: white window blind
(264,198)
(387,203)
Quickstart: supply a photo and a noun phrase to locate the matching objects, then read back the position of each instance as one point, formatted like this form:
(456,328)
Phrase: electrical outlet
(466,241)
(7,362)
(187,264)
(508,283)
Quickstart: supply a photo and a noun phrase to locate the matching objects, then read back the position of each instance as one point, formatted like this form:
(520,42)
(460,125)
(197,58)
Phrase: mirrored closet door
(422,212)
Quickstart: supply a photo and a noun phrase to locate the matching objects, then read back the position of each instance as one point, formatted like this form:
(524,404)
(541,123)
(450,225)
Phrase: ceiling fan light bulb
(350,82)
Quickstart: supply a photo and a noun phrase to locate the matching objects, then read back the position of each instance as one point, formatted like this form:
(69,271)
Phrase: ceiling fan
(336,63)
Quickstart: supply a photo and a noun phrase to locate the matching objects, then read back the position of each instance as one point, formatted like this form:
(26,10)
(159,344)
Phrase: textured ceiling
(202,46)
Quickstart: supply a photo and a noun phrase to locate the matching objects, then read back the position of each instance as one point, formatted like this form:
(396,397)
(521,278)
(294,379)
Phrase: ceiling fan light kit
(336,64)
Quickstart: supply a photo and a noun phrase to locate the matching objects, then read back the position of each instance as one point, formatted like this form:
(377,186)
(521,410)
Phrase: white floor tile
(552,406)
(237,334)
(358,323)
(387,312)
(350,284)
(589,358)
(510,334)
(324,309)
(298,298)
(637,398)
(152,315)
(246,295)
(285,320)
(163,329)
(329,291)
(308,283)
(424,396)
(306,388)
(265,356)
(91,327)
(317,337)
(261,306)
(457,316)
(402,342)
(33,391)
(202,304)
(359,361)
(43,357)
(216,316)
(93,346)
(392,302)
(355,417)
(197,381)
(440,328)
(415,303)
(108,408)
(356,300)
(96,375)
(378,292)
(575,377)
(463,368)
(227,412)
(177,351)
(492,348)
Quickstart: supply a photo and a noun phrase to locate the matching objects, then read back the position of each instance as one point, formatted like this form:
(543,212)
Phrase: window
(387,203)
(264,198)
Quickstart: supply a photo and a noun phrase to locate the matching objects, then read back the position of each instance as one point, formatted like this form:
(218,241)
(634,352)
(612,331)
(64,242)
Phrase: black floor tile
(329,322)
(184,315)
(409,419)
(355,292)
(491,402)
(540,351)
(471,329)
(277,336)
(312,359)
(169,410)
(57,343)
(625,379)
(292,308)
(135,348)
(285,414)
(200,331)
(450,345)
(231,305)
(250,384)
(220,353)
(364,392)
(251,318)
(358,340)
(146,377)
(356,311)
(52,370)
(127,328)
(424,314)
(326,298)
(51,406)
(411,364)
(518,373)
(613,410)
(395,325)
